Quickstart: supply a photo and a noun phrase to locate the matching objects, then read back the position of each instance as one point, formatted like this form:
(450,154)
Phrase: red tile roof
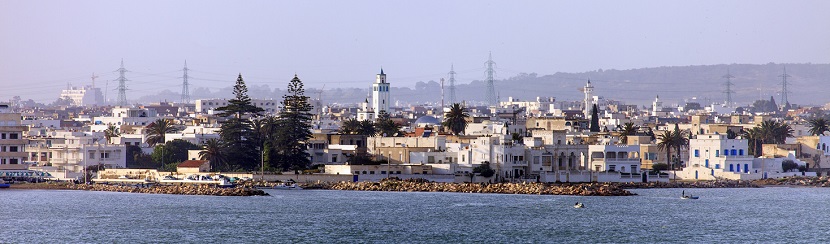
(192,163)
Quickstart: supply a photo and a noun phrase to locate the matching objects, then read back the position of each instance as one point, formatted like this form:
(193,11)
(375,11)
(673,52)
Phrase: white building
(589,99)
(83,96)
(65,154)
(126,116)
(713,156)
(615,158)
(209,106)
(380,94)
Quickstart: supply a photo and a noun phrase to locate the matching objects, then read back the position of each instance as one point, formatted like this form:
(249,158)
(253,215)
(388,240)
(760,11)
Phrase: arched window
(741,152)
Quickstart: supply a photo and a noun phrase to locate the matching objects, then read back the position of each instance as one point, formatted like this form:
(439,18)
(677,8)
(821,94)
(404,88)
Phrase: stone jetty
(691,184)
(823,181)
(176,190)
(586,189)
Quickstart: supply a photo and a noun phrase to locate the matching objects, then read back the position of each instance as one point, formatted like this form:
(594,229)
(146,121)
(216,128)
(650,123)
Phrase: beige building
(12,144)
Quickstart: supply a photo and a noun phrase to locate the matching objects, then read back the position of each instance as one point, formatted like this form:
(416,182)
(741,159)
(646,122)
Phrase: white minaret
(656,106)
(589,99)
(380,93)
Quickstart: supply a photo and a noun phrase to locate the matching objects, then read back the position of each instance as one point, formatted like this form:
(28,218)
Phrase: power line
(452,84)
(490,73)
(185,85)
(122,85)
(729,90)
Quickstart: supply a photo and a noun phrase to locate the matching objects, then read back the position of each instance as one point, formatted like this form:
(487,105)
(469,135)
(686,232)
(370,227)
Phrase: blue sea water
(766,215)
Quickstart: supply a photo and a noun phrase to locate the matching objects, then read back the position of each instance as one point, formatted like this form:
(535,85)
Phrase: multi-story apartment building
(12,143)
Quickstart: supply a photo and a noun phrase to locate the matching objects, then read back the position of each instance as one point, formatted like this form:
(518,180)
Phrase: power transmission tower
(729,90)
(185,85)
(452,84)
(122,85)
(491,89)
(784,90)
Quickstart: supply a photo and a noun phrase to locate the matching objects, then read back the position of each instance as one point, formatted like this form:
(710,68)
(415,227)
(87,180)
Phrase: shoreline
(198,190)
(420,185)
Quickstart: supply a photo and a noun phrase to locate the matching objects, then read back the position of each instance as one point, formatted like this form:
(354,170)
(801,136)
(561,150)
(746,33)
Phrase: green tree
(595,119)
(214,151)
(157,129)
(788,165)
(236,130)
(111,132)
(628,129)
(350,126)
(818,126)
(295,129)
(456,119)
(673,140)
(174,151)
(366,128)
(768,132)
(386,126)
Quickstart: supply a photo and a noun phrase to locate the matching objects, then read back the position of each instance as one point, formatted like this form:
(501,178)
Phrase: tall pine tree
(295,129)
(236,129)
(594,119)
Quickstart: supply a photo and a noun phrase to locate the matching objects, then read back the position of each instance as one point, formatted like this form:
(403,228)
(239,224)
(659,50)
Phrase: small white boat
(684,196)
(283,186)
(579,205)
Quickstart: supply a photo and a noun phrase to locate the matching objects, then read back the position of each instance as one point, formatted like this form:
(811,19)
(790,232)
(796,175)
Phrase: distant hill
(807,85)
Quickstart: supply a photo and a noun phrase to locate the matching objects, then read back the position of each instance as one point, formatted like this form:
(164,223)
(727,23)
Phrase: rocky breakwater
(823,181)
(587,189)
(176,190)
(691,184)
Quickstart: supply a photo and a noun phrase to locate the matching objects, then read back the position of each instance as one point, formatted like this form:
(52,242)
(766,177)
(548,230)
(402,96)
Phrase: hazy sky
(46,44)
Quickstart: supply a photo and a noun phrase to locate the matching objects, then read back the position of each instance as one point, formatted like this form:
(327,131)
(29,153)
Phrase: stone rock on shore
(587,189)
(176,190)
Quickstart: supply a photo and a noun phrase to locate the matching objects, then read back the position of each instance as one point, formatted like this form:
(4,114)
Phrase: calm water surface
(785,215)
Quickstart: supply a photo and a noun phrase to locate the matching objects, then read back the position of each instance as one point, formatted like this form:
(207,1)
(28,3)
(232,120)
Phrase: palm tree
(366,128)
(666,143)
(818,126)
(456,119)
(111,132)
(753,137)
(628,129)
(350,126)
(214,151)
(157,129)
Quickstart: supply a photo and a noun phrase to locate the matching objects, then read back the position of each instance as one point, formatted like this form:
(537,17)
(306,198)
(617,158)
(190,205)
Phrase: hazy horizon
(48,44)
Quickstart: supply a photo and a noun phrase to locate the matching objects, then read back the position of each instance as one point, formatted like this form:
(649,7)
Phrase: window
(398,172)
(717,153)
(383,172)
(372,172)
(725,152)
(697,153)
(12,161)
(717,166)
(734,152)
(334,158)
(2,135)
(12,135)
(612,167)
(91,155)
(12,148)
(741,152)
(357,172)
(706,164)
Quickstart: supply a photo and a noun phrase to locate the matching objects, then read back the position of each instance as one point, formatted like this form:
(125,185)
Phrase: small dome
(427,120)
